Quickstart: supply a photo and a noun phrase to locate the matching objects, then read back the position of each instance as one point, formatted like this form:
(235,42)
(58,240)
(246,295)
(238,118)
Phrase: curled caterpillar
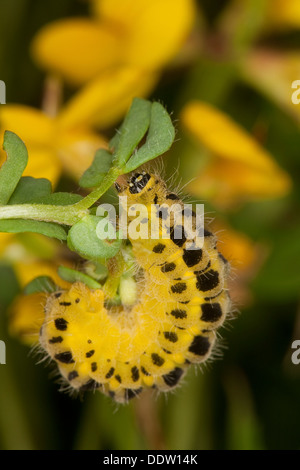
(182,300)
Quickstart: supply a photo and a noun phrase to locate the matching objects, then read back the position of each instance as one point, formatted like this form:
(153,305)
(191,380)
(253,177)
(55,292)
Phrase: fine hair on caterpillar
(181,300)
(169,218)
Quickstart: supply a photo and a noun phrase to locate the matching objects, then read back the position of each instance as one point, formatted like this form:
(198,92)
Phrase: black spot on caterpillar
(183,300)
(56,339)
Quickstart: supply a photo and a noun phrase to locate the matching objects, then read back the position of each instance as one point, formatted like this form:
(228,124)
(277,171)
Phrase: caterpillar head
(141,186)
(139,182)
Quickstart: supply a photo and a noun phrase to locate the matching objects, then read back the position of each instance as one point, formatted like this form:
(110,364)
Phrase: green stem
(64,215)
(91,198)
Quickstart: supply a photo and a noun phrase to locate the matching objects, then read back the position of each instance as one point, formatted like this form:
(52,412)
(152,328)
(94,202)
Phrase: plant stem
(91,198)
(65,215)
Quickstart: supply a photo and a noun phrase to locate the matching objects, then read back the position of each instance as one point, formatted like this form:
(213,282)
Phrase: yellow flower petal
(105,100)
(43,163)
(238,166)
(31,125)
(118,11)
(27,271)
(155,30)
(222,136)
(237,247)
(284,13)
(160,32)
(76,150)
(142,34)
(26,317)
(227,183)
(262,65)
(5,239)
(38,133)
(77,48)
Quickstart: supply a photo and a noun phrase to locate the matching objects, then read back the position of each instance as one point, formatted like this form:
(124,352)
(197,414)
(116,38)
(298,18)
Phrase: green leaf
(96,172)
(45,228)
(40,284)
(134,127)
(61,199)
(71,275)
(115,141)
(159,139)
(12,170)
(83,239)
(30,190)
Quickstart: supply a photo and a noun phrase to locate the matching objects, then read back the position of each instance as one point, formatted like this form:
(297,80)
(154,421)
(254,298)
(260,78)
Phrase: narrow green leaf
(83,239)
(61,199)
(12,169)
(96,172)
(71,275)
(160,138)
(134,127)
(115,141)
(45,228)
(40,284)
(30,190)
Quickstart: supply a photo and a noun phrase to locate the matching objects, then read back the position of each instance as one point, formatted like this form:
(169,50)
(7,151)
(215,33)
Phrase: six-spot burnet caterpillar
(182,299)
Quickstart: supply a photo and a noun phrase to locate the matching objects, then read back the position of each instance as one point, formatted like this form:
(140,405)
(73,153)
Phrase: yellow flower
(284,13)
(259,68)
(51,146)
(144,34)
(5,239)
(245,257)
(117,54)
(237,247)
(237,166)
(26,314)
(105,100)
(26,317)
(31,256)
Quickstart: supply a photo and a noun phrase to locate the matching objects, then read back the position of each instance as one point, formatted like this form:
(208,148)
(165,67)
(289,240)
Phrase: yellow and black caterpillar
(182,300)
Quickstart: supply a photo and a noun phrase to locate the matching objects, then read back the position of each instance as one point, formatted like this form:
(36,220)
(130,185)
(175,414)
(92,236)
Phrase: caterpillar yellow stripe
(182,300)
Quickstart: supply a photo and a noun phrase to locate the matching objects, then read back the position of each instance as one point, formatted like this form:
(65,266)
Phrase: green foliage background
(249,399)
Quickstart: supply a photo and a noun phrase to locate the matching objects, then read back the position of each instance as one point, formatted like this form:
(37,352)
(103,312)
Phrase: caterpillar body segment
(182,300)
